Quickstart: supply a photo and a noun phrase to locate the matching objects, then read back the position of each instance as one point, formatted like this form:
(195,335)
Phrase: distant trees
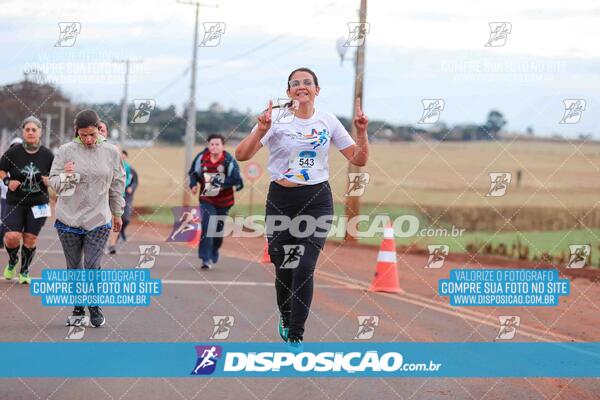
(494,123)
(33,96)
(464,132)
(21,99)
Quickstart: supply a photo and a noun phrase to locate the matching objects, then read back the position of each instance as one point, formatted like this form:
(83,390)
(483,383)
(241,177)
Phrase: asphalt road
(241,288)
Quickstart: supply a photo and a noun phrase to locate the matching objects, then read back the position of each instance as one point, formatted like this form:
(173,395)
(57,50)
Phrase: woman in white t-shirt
(299,205)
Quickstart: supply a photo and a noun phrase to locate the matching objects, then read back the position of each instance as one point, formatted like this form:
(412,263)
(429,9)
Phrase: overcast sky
(415,50)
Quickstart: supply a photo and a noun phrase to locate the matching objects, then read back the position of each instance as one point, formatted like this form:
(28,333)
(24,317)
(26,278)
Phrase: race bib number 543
(305,159)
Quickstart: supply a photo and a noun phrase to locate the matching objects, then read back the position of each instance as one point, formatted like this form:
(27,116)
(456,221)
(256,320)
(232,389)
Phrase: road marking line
(130,253)
(231,283)
(345,283)
(238,283)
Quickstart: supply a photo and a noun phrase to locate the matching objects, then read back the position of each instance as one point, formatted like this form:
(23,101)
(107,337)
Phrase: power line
(245,53)
(170,84)
(262,45)
(300,45)
(237,56)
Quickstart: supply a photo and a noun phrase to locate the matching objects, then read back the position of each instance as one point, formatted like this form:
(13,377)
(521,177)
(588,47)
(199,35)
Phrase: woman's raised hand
(264,119)
(360,119)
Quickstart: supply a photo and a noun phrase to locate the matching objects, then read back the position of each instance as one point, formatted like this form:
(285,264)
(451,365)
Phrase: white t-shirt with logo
(299,149)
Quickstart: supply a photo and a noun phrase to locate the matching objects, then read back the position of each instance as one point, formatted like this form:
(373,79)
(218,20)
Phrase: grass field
(446,174)
(551,242)
(406,175)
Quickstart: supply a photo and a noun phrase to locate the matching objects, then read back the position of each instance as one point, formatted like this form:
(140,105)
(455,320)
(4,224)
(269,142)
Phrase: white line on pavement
(534,333)
(238,283)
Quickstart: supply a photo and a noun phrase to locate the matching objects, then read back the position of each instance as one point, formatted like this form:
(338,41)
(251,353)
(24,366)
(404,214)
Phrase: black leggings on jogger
(294,286)
(88,247)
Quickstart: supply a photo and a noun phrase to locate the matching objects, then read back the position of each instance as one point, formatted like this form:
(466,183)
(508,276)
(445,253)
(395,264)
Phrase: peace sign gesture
(360,119)
(264,119)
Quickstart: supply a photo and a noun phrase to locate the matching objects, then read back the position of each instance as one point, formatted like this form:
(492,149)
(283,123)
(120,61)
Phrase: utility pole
(123,128)
(48,129)
(190,129)
(3,140)
(63,106)
(352,202)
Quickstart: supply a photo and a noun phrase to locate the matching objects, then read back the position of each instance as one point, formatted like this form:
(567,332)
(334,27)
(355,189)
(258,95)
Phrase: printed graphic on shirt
(314,138)
(319,138)
(30,184)
(302,162)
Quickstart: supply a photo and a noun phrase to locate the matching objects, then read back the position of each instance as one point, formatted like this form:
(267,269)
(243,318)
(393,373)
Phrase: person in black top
(24,169)
(17,141)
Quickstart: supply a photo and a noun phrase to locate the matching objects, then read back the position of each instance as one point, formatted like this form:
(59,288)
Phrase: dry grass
(435,174)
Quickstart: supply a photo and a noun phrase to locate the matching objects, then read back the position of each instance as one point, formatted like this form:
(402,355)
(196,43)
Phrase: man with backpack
(217,173)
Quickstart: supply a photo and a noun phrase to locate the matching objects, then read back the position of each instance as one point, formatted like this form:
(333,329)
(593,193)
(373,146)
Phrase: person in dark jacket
(217,173)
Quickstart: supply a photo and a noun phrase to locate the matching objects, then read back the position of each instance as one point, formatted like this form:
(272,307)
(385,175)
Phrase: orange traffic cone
(386,276)
(266,258)
(196,239)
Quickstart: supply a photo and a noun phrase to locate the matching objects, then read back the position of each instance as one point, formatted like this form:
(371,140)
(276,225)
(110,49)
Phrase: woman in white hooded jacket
(89,178)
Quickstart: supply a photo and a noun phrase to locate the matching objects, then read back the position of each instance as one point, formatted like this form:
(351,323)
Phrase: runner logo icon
(207,359)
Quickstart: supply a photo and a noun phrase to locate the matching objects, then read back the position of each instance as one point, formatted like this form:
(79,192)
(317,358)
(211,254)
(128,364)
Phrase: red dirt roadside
(574,319)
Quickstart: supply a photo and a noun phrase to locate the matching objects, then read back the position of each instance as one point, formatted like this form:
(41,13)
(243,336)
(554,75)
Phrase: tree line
(167,125)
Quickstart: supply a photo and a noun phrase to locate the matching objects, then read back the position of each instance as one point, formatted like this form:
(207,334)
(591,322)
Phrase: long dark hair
(303,69)
(84,119)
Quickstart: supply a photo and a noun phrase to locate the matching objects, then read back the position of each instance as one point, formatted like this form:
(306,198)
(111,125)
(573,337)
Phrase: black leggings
(294,275)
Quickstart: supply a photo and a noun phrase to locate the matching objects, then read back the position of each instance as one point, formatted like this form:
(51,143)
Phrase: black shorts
(309,200)
(21,219)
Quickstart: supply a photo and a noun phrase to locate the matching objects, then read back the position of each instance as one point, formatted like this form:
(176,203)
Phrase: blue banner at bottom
(325,360)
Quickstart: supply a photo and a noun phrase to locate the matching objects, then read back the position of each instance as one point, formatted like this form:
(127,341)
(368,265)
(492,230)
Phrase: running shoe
(112,250)
(9,272)
(206,266)
(295,345)
(77,312)
(96,317)
(282,329)
(24,279)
